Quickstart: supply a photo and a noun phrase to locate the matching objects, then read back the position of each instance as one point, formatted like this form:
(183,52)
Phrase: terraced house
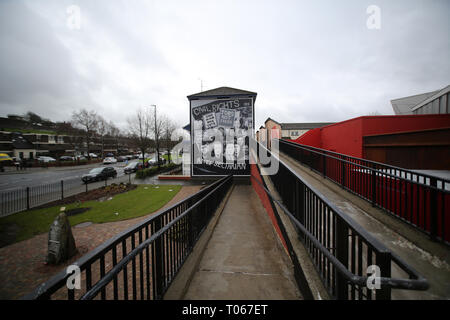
(20,139)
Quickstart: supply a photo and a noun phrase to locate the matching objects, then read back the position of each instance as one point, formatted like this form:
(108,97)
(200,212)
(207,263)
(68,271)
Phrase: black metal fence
(141,262)
(419,199)
(340,249)
(21,199)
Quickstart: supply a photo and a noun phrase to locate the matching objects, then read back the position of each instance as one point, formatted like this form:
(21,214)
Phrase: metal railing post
(374,188)
(159,261)
(28,198)
(62,189)
(384,263)
(433,209)
(299,206)
(342,255)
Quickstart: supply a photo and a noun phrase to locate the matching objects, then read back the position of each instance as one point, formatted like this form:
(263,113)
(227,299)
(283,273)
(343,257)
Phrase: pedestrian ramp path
(243,258)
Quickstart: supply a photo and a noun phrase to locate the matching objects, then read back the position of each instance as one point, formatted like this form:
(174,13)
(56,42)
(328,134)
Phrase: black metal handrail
(158,235)
(424,204)
(338,246)
(370,163)
(158,265)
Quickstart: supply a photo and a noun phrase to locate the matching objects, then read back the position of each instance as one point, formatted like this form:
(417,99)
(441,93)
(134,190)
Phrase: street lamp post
(156,138)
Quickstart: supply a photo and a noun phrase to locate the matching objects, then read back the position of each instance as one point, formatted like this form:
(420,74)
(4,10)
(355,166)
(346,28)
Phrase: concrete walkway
(429,258)
(243,259)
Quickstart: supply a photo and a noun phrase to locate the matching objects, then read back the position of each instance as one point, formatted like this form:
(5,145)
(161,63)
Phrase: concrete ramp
(243,258)
(430,259)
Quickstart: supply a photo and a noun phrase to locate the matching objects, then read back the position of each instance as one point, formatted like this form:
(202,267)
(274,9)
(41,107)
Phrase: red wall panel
(347,136)
(344,137)
(388,124)
(311,138)
(265,201)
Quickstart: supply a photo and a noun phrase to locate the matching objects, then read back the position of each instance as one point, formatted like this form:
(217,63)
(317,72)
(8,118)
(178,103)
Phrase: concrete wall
(26,153)
(270,125)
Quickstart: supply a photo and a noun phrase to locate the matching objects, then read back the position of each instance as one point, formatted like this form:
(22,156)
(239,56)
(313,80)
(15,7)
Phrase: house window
(60,139)
(51,139)
(294,133)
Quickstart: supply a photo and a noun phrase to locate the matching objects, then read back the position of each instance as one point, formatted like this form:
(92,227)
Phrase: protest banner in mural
(220,132)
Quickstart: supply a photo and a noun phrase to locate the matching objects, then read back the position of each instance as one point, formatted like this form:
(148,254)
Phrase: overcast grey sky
(307,60)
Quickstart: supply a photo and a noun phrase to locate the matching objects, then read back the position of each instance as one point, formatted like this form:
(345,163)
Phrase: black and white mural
(220,132)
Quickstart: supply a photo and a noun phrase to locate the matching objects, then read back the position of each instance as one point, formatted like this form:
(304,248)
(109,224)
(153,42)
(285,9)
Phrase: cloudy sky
(309,61)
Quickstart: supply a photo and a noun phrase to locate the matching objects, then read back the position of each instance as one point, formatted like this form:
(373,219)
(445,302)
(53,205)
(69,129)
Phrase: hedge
(142,174)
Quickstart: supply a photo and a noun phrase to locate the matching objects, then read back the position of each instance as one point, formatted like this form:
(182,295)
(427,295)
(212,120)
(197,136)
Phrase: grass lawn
(143,200)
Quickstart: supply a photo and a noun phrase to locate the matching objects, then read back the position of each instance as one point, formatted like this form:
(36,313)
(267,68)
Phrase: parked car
(5,160)
(93,155)
(154,162)
(121,158)
(109,160)
(146,155)
(46,159)
(66,158)
(98,174)
(80,158)
(133,167)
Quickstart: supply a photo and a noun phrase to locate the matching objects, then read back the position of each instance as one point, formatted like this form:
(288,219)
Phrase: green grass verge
(141,201)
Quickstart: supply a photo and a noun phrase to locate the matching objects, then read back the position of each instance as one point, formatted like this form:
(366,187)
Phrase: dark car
(121,158)
(98,174)
(66,158)
(133,167)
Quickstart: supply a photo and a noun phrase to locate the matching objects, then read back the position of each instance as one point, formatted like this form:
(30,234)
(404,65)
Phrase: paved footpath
(22,265)
(242,259)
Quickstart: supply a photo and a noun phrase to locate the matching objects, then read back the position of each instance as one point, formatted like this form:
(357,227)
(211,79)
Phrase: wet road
(38,176)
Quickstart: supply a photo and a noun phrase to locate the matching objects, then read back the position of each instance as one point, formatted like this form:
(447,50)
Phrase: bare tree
(140,128)
(102,130)
(115,133)
(168,127)
(86,120)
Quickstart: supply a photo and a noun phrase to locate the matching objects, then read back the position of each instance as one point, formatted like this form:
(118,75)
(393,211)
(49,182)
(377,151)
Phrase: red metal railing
(419,199)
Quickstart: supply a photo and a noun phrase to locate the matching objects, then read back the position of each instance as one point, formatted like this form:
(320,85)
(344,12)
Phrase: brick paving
(22,265)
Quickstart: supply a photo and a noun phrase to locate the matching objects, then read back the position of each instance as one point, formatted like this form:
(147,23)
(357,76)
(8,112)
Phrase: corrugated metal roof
(405,105)
(436,95)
